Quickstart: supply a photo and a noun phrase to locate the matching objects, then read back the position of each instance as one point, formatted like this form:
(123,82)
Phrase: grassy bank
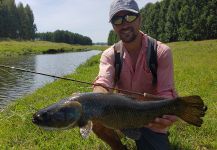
(195,74)
(10,47)
(195,66)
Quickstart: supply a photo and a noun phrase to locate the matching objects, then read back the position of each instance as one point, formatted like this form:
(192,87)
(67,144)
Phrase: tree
(2,19)
(172,22)
(16,21)
(147,14)
(64,37)
(212,19)
(12,21)
(31,27)
(8,19)
(185,21)
(177,20)
(22,21)
(162,19)
(112,38)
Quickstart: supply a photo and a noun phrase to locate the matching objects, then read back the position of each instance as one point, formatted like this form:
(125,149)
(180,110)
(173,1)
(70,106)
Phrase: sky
(85,17)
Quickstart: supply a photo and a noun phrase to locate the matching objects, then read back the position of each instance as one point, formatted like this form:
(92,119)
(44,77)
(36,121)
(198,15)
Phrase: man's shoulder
(164,52)
(162,48)
(109,52)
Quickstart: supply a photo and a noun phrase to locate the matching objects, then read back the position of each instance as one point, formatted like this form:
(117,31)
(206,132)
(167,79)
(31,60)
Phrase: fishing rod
(70,79)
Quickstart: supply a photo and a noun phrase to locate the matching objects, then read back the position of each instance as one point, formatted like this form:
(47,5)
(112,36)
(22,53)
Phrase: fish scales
(117,111)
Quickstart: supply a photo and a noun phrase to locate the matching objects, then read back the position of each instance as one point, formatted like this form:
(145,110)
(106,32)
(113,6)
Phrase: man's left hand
(161,124)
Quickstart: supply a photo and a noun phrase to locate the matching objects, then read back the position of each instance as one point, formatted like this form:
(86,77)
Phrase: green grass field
(195,65)
(11,47)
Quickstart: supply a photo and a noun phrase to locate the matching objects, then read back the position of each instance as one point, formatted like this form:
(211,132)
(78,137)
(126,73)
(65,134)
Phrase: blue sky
(86,17)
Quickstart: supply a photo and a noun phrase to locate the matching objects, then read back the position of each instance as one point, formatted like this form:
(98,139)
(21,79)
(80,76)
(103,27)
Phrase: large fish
(116,111)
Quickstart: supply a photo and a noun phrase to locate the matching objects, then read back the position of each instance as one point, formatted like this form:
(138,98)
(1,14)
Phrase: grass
(10,47)
(195,68)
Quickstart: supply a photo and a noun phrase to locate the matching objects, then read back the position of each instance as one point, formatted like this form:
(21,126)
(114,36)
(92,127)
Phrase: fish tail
(191,109)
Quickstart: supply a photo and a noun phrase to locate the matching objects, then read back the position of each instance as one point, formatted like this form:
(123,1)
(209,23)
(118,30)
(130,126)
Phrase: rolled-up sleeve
(165,87)
(106,69)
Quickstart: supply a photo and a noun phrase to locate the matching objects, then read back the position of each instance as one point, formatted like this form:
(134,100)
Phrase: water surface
(15,84)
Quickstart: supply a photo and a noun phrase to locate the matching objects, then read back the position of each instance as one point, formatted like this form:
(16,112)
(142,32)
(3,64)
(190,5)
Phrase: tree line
(16,22)
(112,38)
(178,20)
(64,37)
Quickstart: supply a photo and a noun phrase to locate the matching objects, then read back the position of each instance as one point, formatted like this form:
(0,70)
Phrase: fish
(116,111)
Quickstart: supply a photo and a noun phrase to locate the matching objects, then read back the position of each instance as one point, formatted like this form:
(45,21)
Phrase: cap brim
(130,10)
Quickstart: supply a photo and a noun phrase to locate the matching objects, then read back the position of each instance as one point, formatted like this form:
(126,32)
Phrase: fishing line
(58,77)
(8,73)
(71,79)
(11,74)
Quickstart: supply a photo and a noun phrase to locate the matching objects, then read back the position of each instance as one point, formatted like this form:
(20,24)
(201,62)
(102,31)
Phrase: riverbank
(195,74)
(10,47)
(17,131)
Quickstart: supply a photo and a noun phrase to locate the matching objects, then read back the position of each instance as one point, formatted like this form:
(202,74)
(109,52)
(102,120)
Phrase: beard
(128,35)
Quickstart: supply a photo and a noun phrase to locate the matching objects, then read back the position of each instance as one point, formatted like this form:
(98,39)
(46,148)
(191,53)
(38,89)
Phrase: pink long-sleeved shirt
(139,80)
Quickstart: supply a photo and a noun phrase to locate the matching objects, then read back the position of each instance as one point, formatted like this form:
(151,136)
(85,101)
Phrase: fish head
(58,116)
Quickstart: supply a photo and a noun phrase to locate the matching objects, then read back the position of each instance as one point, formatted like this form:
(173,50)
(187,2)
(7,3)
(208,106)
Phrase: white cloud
(86,17)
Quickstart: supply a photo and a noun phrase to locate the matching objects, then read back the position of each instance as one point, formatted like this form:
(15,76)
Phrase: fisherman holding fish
(140,69)
(135,75)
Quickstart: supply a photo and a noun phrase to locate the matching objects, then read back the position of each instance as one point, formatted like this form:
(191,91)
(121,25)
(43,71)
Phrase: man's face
(127,31)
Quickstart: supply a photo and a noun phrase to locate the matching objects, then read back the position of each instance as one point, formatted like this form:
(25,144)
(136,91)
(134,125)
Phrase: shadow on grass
(177,146)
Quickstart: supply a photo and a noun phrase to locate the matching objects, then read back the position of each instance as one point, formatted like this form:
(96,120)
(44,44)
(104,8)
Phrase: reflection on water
(15,84)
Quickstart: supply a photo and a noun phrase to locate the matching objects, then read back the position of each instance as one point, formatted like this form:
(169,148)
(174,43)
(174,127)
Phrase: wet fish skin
(117,111)
(59,115)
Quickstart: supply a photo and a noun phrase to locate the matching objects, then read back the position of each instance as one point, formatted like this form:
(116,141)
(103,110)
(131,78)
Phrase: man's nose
(125,24)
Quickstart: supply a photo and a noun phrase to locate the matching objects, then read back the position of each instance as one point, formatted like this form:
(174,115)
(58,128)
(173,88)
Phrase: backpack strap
(151,59)
(118,60)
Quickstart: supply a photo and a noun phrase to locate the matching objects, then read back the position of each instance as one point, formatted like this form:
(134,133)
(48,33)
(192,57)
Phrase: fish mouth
(39,121)
(36,119)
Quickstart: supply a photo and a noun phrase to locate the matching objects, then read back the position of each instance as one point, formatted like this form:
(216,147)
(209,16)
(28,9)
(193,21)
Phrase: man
(135,76)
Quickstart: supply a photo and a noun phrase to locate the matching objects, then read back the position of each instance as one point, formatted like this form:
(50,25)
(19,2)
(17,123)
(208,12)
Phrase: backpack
(151,59)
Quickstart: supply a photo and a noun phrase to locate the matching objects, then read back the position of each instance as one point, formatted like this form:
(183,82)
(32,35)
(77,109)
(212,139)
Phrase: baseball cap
(119,5)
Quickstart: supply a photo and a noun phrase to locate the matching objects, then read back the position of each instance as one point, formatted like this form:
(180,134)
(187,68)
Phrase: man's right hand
(100,89)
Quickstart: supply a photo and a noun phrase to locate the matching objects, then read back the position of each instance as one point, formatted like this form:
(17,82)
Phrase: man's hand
(100,89)
(161,124)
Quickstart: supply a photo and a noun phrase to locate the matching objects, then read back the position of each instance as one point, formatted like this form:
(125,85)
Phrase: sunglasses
(118,20)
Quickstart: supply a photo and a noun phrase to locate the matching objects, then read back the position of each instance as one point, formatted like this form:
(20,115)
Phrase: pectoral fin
(85,131)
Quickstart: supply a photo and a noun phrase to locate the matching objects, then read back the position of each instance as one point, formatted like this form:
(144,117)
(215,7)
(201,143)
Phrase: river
(15,84)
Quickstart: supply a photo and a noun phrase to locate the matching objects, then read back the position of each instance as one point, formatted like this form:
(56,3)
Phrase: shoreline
(11,47)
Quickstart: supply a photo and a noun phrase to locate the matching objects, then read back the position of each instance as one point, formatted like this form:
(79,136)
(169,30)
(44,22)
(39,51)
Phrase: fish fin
(86,130)
(191,109)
